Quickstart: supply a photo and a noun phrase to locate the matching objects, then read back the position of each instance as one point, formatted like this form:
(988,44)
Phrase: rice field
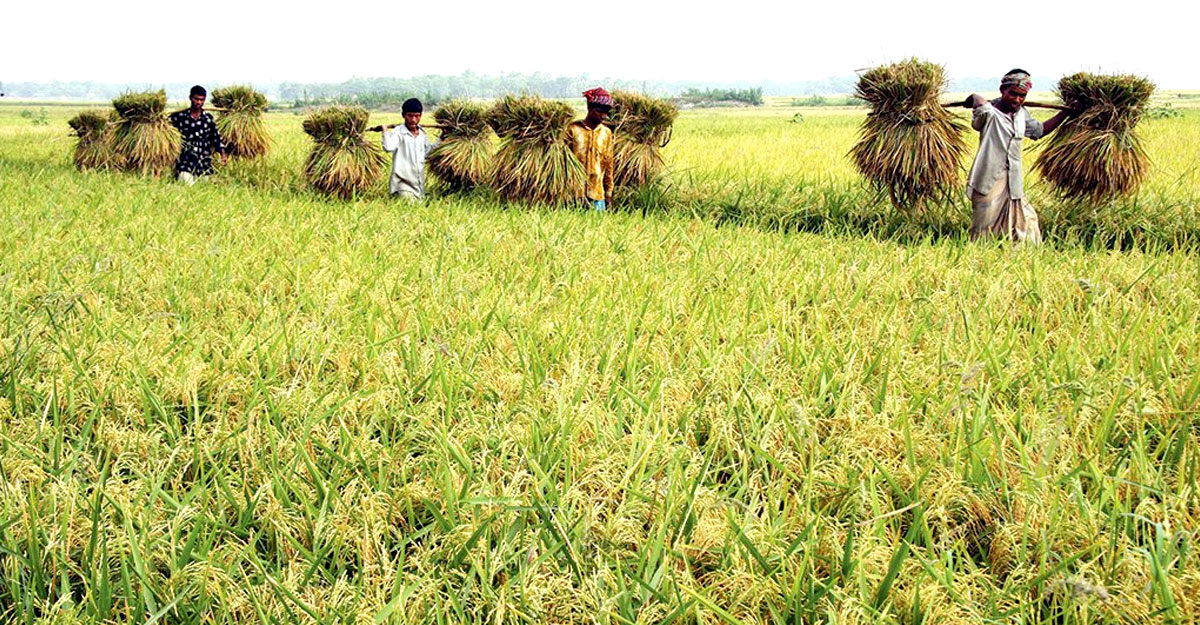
(759,397)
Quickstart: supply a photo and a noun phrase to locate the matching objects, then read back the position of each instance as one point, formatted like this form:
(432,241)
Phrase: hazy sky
(753,40)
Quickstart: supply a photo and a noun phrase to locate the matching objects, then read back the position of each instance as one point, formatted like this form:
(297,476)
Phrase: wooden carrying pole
(379,128)
(966,104)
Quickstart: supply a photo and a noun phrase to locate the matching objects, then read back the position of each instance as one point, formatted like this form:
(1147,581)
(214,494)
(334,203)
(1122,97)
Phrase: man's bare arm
(1049,125)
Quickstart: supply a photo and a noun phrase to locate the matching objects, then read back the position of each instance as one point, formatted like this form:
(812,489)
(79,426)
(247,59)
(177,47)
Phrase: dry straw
(342,162)
(143,139)
(534,162)
(462,160)
(1097,155)
(641,127)
(240,120)
(92,150)
(909,146)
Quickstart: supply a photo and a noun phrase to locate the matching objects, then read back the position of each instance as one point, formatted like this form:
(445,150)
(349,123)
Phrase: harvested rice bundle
(909,145)
(1096,155)
(92,151)
(143,139)
(240,120)
(641,128)
(342,162)
(463,157)
(533,162)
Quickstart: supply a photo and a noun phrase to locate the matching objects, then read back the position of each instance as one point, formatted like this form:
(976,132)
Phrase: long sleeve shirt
(200,140)
(408,160)
(1000,142)
(594,148)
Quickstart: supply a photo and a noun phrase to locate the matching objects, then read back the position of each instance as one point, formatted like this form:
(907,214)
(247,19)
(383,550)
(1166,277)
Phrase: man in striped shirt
(408,145)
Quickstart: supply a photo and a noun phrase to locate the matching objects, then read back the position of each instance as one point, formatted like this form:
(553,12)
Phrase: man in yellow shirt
(592,143)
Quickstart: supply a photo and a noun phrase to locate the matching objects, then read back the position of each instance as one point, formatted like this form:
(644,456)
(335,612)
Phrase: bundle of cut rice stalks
(1096,155)
(909,146)
(462,158)
(92,127)
(240,120)
(641,128)
(342,162)
(143,139)
(534,162)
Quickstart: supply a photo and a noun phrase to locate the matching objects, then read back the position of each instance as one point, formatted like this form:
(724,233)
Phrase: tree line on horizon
(437,87)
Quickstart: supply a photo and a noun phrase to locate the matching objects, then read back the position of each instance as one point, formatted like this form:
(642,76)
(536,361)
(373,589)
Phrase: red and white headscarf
(598,97)
(1020,80)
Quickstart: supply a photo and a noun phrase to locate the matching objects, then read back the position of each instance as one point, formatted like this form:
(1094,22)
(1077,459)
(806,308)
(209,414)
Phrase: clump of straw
(342,162)
(143,139)
(641,128)
(909,146)
(1096,155)
(463,157)
(92,151)
(534,162)
(240,120)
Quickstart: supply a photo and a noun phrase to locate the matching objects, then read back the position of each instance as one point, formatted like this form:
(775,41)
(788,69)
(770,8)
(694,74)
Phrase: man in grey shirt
(408,144)
(998,202)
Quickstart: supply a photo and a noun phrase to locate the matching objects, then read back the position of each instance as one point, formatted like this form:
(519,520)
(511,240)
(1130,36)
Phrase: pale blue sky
(751,40)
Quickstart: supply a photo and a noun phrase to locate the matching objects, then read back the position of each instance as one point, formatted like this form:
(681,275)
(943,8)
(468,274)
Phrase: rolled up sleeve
(1034,129)
(391,140)
(980,115)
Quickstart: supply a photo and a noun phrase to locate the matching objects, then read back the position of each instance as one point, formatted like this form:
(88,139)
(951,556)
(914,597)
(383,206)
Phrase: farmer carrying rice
(200,138)
(408,144)
(592,143)
(998,202)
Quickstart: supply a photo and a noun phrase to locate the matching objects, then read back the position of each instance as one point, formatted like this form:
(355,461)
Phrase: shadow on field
(1142,222)
(1148,221)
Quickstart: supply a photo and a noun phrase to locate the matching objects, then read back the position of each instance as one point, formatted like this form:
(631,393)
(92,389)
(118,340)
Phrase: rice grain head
(342,162)
(534,162)
(92,150)
(1097,155)
(143,139)
(463,158)
(641,128)
(240,121)
(909,146)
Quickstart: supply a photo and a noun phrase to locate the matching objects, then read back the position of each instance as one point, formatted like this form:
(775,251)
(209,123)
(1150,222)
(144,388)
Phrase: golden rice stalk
(143,139)
(635,164)
(641,128)
(463,157)
(342,162)
(240,120)
(92,150)
(1097,155)
(530,118)
(534,162)
(909,145)
(143,106)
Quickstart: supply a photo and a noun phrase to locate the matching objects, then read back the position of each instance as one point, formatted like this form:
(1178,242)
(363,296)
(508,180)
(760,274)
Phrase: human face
(197,102)
(597,114)
(412,121)
(1012,99)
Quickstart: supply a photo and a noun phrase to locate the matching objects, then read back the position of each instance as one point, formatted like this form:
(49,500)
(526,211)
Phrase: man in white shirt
(998,202)
(408,144)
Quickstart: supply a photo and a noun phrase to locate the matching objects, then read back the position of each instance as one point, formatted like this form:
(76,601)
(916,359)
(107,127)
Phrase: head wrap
(1018,79)
(598,97)
(411,105)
